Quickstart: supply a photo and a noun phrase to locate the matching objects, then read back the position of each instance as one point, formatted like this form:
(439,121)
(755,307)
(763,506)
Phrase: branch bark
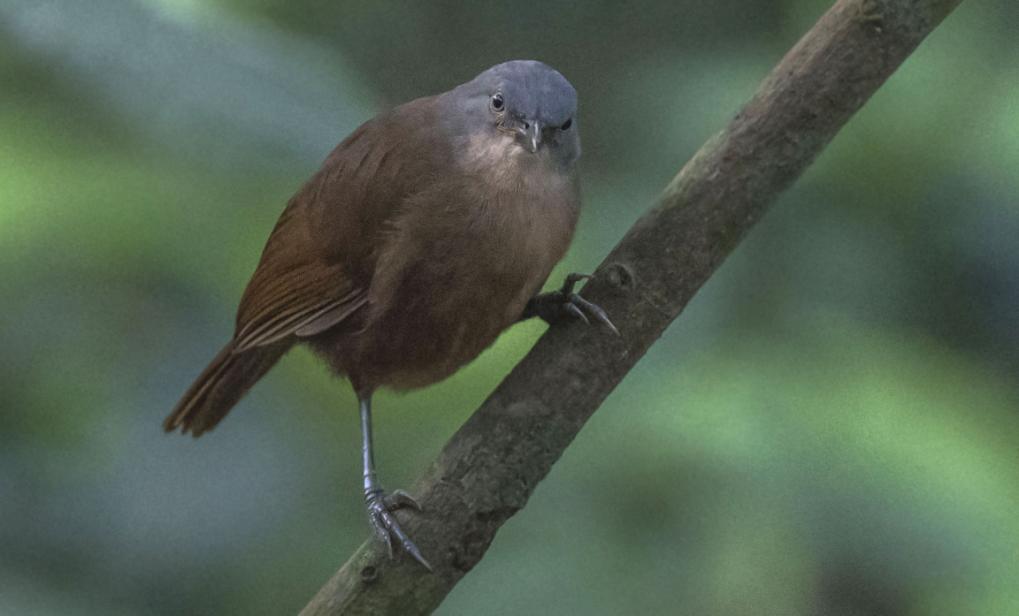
(488,469)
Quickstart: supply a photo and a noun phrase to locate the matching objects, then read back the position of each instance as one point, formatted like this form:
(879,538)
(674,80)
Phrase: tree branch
(488,469)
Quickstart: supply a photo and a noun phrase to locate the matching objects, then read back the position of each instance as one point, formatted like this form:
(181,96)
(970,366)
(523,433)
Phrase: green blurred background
(832,427)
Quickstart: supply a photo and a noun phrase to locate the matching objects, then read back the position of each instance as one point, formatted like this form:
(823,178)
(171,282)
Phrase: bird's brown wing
(300,286)
(314,299)
(319,261)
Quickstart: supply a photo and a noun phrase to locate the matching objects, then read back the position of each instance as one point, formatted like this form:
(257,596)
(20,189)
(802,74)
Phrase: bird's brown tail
(220,386)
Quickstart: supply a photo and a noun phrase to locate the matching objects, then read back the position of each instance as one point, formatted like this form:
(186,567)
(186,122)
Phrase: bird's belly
(441,319)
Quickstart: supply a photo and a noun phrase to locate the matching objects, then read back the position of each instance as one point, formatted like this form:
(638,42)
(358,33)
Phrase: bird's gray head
(523,99)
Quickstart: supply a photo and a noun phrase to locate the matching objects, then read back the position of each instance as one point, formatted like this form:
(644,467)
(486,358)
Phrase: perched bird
(425,233)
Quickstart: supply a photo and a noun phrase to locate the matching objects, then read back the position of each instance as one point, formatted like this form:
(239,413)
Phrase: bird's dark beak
(532,136)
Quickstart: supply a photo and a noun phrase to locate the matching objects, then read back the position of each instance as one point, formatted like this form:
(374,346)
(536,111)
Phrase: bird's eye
(497,102)
(567,124)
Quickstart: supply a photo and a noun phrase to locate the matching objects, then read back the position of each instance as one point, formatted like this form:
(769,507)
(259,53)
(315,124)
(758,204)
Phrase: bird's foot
(380,515)
(565,304)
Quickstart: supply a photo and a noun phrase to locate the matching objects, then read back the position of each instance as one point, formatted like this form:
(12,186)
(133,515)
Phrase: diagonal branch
(488,469)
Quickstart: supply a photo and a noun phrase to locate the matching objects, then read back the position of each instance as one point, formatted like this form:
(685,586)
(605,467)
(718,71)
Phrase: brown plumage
(382,265)
(423,236)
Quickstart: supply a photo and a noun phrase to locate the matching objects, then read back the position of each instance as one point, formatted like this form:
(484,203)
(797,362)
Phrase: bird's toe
(380,514)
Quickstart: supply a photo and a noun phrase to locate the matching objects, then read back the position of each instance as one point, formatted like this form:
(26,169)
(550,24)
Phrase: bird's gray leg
(565,304)
(380,505)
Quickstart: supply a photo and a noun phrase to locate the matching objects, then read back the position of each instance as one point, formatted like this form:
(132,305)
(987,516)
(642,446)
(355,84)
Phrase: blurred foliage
(831,427)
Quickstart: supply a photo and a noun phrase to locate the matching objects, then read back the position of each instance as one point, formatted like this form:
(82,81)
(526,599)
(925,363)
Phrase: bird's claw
(571,281)
(575,312)
(578,307)
(398,499)
(553,307)
(380,515)
(585,310)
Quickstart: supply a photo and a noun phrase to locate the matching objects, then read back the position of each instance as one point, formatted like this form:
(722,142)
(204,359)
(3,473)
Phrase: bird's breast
(459,267)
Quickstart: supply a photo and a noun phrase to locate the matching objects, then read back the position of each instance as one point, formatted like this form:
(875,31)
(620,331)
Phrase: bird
(423,235)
